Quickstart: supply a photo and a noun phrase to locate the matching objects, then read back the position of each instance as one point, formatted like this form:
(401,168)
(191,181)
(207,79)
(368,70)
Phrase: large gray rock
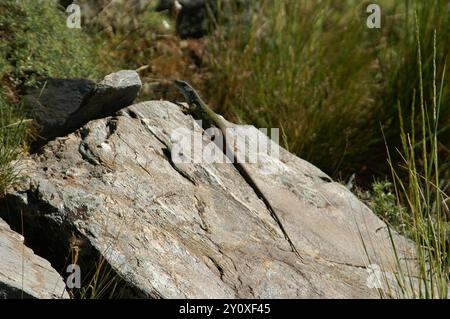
(24,274)
(61,106)
(198,230)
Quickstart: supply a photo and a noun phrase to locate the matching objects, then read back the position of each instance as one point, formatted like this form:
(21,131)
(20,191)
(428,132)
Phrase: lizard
(201,111)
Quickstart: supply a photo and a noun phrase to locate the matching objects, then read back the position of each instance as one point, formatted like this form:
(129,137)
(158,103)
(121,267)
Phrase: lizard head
(188,92)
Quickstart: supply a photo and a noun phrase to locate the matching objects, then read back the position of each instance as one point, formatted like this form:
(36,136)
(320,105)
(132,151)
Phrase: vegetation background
(367,106)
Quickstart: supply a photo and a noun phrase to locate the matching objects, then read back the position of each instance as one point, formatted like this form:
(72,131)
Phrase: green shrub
(383,201)
(35,41)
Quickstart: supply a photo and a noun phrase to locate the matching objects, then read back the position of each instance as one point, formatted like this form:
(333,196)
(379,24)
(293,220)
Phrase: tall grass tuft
(315,69)
(417,183)
(12,134)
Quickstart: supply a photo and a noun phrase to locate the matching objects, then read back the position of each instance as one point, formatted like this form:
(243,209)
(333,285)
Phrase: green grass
(335,87)
(420,192)
(382,200)
(34,42)
(136,44)
(12,133)
(415,203)
(318,72)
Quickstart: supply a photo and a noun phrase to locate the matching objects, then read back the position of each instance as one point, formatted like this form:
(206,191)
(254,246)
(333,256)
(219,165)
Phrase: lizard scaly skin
(200,110)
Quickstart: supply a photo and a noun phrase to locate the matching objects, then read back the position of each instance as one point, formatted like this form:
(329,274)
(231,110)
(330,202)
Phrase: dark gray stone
(61,106)
(116,91)
(53,101)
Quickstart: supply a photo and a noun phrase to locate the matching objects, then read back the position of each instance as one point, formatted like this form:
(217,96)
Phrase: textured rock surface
(22,273)
(52,102)
(114,92)
(61,106)
(198,230)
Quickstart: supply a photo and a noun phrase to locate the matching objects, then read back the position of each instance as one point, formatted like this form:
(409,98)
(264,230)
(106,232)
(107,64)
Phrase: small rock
(61,106)
(24,274)
(114,92)
(53,101)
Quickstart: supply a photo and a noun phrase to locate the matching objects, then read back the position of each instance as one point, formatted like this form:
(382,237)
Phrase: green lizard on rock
(201,111)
